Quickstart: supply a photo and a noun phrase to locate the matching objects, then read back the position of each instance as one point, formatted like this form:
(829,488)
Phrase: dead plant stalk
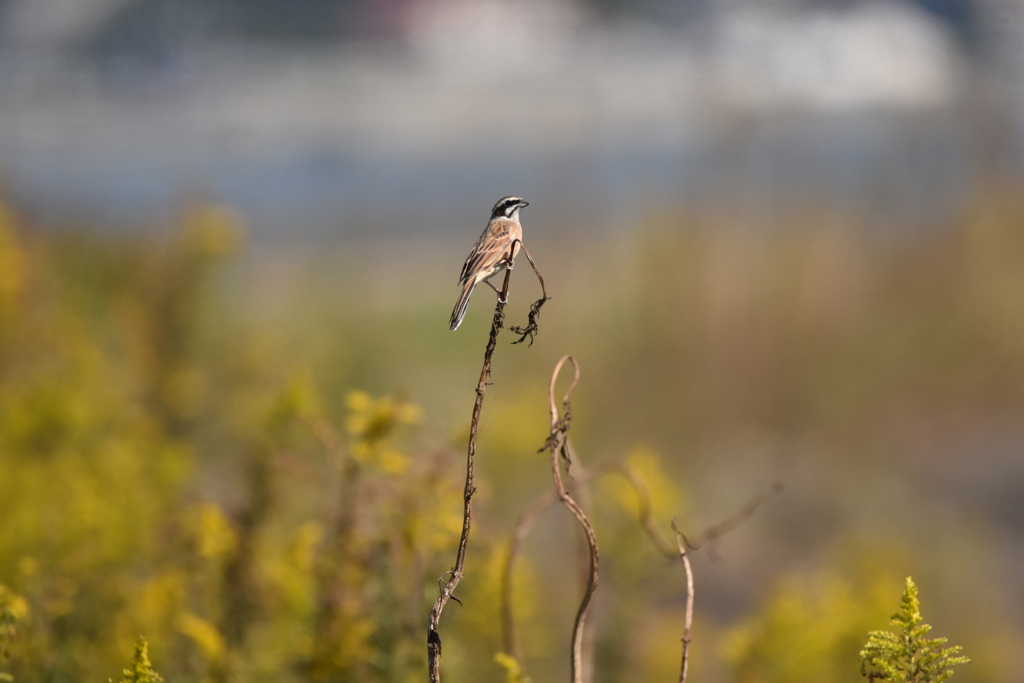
(456,573)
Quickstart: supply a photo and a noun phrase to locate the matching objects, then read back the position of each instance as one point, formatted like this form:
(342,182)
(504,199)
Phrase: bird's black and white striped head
(507,207)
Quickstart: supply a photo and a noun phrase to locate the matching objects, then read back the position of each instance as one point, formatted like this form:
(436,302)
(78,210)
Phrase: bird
(489,254)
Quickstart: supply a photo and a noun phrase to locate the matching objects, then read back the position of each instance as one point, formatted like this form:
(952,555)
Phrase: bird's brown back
(491,247)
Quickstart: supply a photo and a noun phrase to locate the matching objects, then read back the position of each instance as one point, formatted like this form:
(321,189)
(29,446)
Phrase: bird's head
(508,207)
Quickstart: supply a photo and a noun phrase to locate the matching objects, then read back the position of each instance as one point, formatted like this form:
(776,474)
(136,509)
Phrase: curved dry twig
(557,444)
(448,589)
(552,408)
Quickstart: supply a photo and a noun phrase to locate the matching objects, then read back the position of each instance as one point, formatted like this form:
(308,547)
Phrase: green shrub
(142,670)
(907,656)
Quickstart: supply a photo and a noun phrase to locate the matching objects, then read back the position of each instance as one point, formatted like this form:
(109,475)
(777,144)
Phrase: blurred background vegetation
(783,240)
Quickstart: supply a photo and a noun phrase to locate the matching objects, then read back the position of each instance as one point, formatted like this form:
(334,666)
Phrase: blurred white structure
(54,25)
(537,80)
(877,54)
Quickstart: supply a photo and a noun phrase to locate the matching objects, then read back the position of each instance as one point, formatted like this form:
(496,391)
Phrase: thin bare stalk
(581,490)
(457,572)
(688,623)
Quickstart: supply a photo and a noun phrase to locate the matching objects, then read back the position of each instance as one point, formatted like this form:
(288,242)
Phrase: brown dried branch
(688,623)
(455,575)
(557,444)
(531,328)
(580,487)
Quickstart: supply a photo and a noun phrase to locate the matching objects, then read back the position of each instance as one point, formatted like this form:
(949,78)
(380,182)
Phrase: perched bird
(490,251)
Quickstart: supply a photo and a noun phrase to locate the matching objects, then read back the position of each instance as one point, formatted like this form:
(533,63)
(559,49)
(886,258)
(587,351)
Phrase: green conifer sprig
(142,670)
(907,656)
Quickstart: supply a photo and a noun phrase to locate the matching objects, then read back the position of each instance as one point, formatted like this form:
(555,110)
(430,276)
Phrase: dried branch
(456,573)
(557,444)
(531,327)
(680,543)
(580,487)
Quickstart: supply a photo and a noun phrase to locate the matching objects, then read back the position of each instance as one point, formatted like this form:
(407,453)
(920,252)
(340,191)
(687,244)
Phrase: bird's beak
(524,203)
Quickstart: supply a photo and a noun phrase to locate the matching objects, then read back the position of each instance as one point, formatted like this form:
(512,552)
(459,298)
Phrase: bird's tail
(462,304)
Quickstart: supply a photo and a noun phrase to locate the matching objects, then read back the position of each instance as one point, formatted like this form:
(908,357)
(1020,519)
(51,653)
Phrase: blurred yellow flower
(204,634)
(216,538)
(393,462)
(410,413)
(15,604)
(371,423)
(358,401)
(213,230)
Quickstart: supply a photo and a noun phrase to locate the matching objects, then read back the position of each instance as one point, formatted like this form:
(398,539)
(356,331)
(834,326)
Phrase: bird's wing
(488,250)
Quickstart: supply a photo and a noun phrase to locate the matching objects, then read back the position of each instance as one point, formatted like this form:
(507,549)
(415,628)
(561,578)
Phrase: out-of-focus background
(784,239)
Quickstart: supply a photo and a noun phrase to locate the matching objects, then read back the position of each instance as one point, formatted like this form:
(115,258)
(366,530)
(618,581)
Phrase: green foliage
(810,630)
(142,669)
(907,656)
(164,473)
(184,453)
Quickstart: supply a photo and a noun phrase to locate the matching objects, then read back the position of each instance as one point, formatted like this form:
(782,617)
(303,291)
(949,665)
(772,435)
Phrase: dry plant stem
(558,446)
(543,289)
(581,615)
(581,491)
(455,575)
(688,623)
